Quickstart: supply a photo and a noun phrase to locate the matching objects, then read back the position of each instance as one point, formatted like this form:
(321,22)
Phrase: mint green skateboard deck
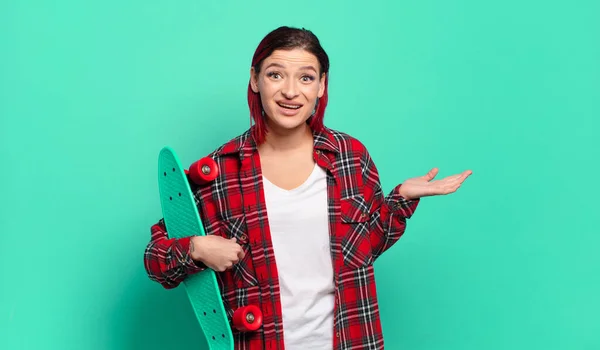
(182,220)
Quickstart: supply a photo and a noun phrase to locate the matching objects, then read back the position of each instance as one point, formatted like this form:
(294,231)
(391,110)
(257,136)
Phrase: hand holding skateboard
(216,252)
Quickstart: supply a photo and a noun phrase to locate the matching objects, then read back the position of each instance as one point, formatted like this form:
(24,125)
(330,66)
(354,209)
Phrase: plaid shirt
(363,223)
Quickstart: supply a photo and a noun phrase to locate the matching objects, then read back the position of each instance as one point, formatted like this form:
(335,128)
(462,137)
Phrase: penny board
(182,220)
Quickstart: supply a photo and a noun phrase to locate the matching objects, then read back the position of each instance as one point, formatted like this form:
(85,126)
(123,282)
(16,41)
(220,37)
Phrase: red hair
(287,38)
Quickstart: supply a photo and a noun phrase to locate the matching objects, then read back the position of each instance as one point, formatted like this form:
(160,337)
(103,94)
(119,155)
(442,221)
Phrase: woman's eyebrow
(275,64)
(308,67)
(279,65)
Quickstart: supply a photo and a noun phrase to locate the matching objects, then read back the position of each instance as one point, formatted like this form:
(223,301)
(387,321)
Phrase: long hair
(287,38)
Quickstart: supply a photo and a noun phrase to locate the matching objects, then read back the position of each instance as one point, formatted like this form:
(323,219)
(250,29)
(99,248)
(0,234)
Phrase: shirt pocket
(243,271)
(355,240)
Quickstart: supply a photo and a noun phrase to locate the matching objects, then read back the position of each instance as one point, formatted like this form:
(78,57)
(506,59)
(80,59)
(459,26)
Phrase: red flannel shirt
(363,224)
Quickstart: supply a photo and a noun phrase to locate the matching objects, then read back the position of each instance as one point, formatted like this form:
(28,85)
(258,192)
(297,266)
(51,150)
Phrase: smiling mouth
(288,106)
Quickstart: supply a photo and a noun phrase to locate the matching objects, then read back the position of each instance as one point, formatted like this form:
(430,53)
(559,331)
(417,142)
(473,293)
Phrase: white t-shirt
(299,225)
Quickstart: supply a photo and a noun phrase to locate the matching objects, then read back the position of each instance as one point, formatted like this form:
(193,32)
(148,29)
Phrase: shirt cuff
(185,257)
(400,205)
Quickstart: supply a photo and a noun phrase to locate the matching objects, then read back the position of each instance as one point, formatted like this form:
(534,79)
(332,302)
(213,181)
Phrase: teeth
(289,106)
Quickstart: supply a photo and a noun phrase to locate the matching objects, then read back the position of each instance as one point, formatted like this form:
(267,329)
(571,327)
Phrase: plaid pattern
(363,224)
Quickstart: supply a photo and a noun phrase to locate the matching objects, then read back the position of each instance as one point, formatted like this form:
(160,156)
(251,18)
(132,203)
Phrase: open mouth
(289,105)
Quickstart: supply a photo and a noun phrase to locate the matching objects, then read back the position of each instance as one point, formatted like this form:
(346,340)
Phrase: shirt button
(243,237)
(337,334)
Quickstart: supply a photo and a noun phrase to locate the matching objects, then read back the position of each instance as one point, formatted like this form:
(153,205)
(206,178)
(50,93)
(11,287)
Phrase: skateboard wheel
(247,318)
(203,171)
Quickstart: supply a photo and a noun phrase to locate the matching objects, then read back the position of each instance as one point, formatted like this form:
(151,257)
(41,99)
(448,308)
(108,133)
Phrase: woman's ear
(322,85)
(253,80)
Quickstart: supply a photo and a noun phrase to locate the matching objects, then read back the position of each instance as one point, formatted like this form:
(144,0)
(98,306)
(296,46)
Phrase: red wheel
(203,171)
(247,318)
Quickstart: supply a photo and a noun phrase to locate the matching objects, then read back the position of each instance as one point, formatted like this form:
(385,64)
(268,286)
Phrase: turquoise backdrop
(91,90)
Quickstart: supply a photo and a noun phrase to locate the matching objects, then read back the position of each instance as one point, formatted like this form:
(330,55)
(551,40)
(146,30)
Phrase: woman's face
(289,85)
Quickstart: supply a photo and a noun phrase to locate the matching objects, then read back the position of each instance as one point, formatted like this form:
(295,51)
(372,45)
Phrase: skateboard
(182,219)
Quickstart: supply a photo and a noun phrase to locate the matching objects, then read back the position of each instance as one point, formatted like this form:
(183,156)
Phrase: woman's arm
(168,261)
(388,213)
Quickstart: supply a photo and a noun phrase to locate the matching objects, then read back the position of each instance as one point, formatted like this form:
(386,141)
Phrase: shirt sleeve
(168,260)
(388,214)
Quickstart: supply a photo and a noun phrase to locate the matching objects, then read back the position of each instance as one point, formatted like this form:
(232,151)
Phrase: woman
(297,216)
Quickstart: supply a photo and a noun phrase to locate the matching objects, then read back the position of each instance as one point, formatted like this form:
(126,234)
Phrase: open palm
(423,186)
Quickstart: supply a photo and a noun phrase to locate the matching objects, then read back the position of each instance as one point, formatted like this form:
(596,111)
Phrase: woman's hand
(216,252)
(423,186)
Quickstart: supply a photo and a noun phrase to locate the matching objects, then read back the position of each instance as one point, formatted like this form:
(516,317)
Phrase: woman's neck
(282,141)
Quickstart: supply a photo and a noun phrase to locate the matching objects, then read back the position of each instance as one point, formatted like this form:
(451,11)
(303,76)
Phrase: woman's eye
(274,75)
(308,78)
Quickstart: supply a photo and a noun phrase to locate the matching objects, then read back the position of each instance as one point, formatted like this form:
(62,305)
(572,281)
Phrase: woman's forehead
(295,58)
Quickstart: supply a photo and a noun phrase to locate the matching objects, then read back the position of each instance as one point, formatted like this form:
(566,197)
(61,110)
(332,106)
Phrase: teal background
(90,92)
